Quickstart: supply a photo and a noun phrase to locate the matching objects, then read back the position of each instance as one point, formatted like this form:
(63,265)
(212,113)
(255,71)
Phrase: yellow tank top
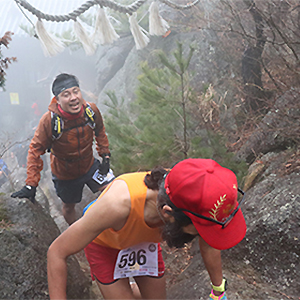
(135,230)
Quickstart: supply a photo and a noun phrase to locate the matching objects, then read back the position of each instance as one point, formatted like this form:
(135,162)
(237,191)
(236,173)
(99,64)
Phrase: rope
(129,9)
(83,8)
(178,6)
(20,8)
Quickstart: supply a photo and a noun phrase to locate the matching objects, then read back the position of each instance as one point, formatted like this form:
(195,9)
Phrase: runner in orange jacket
(69,128)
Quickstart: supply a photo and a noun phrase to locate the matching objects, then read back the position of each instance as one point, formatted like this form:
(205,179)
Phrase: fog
(28,81)
(31,78)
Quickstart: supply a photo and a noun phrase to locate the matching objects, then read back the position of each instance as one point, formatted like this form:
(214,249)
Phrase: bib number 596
(130,259)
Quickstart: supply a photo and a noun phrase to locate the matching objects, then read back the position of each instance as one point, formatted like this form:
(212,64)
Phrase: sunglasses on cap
(225,222)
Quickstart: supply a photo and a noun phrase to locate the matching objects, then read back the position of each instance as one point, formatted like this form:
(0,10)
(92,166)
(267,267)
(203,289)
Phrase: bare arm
(111,211)
(213,263)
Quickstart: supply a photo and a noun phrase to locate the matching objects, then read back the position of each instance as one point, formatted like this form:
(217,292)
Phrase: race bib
(139,260)
(103,179)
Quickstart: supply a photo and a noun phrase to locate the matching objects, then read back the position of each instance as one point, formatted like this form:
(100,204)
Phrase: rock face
(277,131)
(26,231)
(118,65)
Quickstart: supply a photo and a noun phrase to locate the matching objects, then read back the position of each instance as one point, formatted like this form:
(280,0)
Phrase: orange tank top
(135,230)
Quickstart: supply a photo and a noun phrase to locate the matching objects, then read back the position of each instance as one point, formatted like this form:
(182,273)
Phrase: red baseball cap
(206,188)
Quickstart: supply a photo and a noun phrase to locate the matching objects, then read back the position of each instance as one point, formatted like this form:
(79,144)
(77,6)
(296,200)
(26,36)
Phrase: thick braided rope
(178,6)
(84,7)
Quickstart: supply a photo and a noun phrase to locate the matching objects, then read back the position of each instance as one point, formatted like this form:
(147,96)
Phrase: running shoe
(221,297)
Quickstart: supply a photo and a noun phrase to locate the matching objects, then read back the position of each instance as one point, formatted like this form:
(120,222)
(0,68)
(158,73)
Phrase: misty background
(28,83)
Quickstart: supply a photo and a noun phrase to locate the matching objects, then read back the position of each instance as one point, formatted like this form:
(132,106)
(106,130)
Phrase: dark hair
(163,199)
(172,232)
(62,82)
(154,179)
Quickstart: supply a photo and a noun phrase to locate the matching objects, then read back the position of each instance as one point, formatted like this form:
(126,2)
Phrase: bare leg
(151,287)
(213,263)
(119,290)
(69,212)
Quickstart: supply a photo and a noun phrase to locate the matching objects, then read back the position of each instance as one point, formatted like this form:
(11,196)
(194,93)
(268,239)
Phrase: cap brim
(223,238)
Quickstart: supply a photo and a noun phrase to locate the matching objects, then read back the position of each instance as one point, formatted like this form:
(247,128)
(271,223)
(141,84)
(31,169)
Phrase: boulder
(277,131)
(26,231)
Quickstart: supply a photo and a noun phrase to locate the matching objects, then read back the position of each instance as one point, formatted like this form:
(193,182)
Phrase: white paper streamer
(83,37)
(140,35)
(50,44)
(104,31)
(157,25)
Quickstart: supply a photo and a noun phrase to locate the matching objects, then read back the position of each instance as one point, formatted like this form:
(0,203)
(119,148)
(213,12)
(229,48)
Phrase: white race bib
(139,260)
(103,179)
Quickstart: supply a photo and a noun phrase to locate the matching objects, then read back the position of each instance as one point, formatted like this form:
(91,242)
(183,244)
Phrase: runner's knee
(68,207)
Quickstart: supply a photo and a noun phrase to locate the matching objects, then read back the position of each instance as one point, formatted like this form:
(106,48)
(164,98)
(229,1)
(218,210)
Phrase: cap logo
(214,211)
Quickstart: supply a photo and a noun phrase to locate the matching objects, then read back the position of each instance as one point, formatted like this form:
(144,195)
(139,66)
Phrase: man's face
(70,100)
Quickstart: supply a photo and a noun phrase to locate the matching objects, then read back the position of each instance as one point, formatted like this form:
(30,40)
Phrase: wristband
(221,288)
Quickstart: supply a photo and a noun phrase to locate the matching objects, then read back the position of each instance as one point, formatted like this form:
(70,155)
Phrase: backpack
(57,123)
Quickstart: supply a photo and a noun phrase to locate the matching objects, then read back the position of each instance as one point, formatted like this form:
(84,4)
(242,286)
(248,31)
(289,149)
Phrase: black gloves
(104,166)
(27,191)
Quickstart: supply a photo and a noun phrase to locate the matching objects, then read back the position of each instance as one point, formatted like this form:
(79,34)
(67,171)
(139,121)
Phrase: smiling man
(68,130)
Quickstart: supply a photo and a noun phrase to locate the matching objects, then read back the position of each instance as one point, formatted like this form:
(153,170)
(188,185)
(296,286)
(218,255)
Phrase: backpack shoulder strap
(90,116)
(57,125)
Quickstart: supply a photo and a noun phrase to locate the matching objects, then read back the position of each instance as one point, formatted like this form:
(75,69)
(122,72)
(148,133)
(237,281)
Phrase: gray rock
(277,131)
(122,69)
(25,235)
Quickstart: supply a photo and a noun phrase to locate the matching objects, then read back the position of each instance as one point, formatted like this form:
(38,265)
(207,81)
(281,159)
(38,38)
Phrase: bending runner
(120,232)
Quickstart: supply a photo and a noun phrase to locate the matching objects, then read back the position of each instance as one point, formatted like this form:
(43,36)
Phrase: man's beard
(173,234)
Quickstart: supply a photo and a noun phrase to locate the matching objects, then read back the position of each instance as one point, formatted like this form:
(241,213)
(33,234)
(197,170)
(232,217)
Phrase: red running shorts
(102,262)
